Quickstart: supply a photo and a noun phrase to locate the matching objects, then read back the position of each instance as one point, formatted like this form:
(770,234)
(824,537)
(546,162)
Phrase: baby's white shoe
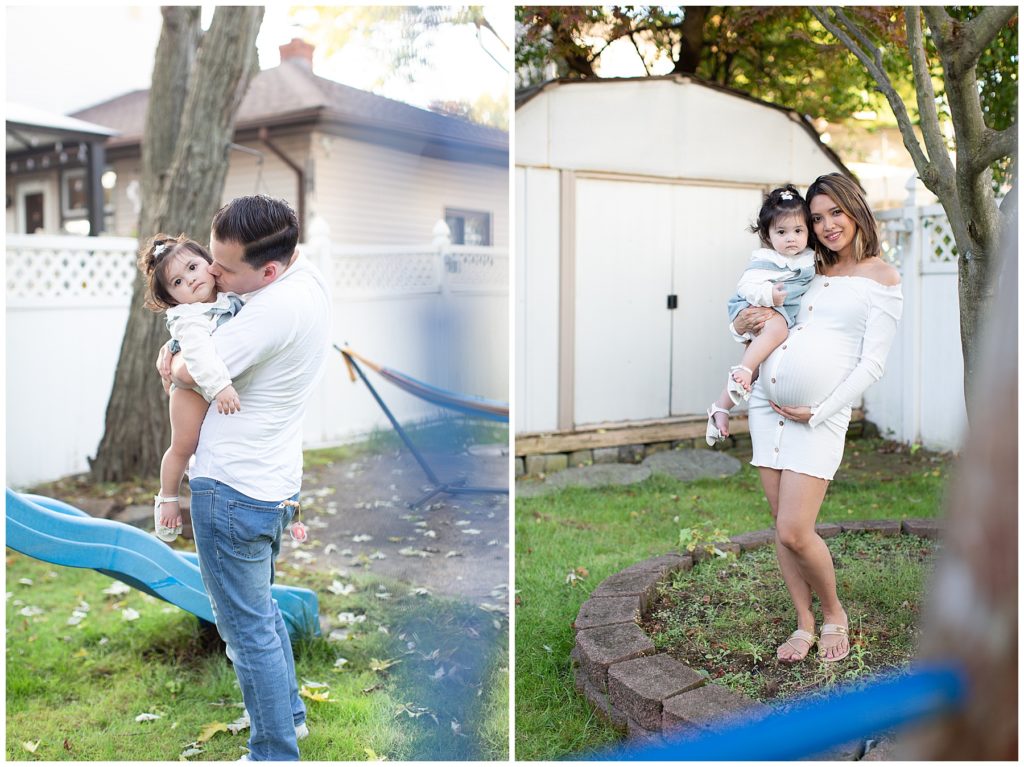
(166,534)
(714,435)
(734,388)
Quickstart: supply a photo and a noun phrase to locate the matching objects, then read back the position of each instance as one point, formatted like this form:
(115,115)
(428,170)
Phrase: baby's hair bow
(159,249)
(786,195)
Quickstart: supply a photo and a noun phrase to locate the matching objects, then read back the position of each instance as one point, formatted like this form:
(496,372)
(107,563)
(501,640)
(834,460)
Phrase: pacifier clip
(296,529)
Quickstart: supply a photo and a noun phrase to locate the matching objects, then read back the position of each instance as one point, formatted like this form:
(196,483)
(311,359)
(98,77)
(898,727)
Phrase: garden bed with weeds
(726,617)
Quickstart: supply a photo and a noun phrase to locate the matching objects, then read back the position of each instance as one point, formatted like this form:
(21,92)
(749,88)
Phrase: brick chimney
(299,51)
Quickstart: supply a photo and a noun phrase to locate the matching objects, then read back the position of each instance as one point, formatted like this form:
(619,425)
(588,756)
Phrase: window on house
(468,227)
(74,196)
(75,201)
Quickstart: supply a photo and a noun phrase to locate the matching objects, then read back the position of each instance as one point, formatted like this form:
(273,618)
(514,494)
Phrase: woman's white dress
(837,349)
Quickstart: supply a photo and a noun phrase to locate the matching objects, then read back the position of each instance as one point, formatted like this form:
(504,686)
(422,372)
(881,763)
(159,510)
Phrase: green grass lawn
(415,671)
(568,542)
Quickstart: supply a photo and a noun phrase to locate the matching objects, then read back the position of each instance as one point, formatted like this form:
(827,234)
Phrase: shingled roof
(292,94)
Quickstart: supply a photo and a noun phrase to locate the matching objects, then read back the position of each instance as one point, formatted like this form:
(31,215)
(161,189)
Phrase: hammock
(463,403)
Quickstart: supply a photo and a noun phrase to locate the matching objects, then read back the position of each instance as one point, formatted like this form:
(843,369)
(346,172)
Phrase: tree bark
(691,40)
(189,124)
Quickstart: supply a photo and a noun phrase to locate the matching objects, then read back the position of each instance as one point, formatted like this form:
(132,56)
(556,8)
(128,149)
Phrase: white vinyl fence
(921,396)
(438,312)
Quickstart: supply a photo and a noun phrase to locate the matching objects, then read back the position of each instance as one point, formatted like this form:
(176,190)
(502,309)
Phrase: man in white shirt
(250,462)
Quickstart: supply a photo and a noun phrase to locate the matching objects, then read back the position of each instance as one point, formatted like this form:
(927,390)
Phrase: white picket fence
(438,312)
(920,399)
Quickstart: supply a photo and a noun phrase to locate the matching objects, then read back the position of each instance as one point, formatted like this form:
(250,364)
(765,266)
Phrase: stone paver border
(648,695)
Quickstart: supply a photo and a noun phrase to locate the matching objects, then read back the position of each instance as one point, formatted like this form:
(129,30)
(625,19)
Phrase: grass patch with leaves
(569,541)
(726,617)
(75,684)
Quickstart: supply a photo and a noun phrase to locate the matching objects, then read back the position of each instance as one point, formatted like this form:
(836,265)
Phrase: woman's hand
(752,319)
(801,413)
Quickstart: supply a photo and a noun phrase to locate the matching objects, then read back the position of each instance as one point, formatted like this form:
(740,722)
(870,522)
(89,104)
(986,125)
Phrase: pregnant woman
(800,406)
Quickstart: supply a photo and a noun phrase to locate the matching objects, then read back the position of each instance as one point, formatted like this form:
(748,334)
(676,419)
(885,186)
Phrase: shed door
(711,247)
(623,271)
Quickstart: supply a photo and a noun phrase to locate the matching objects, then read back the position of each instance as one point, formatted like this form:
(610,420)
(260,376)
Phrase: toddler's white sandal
(734,388)
(166,534)
(714,435)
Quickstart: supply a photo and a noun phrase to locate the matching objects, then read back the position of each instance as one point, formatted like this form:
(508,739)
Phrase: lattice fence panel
(939,247)
(894,241)
(386,274)
(483,271)
(69,274)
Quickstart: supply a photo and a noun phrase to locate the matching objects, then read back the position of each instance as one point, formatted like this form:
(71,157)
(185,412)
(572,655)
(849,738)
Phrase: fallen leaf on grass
(242,723)
(31,611)
(372,688)
(340,663)
(129,614)
(319,697)
(361,538)
(451,554)
(147,717)
(26,582)
(31,745)
(347,619)
(341,589)
(471,531)
(408,551)
(378,555)
(192,749)
(415,712)
(211,729)
(420,592)
(382,665)
(372,755)
(383,595)
(117,589)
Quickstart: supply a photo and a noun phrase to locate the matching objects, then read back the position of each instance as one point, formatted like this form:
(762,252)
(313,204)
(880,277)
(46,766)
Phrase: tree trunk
(189,125)
(691,40)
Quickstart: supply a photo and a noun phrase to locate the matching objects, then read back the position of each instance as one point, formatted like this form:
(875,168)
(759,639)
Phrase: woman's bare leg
(188,409)
(799,589)
(797,543)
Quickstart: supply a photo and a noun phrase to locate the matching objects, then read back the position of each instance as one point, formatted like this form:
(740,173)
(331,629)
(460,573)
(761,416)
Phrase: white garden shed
(629,192)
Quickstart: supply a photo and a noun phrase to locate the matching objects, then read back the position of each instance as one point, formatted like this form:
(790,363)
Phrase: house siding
(405,198)
(371,194)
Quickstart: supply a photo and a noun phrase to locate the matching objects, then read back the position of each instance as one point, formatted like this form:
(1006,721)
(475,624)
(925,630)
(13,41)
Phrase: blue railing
(813,725)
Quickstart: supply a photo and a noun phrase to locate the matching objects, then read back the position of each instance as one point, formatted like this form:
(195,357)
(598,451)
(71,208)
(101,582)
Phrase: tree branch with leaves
(964,185)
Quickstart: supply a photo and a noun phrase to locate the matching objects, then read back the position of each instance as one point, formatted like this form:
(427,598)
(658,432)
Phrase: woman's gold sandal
(803,636)
(834,629)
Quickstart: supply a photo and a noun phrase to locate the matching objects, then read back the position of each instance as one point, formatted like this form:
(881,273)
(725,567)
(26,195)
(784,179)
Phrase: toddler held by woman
(776,276)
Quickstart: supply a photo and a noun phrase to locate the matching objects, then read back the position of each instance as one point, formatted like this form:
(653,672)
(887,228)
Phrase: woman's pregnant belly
(807,367)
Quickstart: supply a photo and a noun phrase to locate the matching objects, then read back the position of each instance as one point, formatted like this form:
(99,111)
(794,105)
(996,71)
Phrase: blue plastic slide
(55,532)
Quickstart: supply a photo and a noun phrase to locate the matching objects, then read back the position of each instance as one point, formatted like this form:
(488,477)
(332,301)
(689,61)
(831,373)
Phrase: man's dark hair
(266,228)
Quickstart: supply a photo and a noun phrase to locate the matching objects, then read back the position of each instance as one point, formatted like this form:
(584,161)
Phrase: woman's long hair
(847,195)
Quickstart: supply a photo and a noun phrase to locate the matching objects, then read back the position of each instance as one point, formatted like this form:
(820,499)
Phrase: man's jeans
(238,540)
